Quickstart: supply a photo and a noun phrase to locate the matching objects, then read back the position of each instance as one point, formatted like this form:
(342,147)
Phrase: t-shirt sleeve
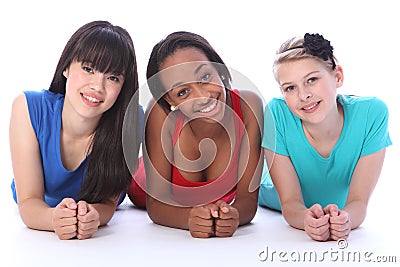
(376,131)
(273,136)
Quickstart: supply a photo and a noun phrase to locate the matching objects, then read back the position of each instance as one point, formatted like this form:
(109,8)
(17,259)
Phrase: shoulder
(19,103)
(366,104)
(278,107)
(277,102)
(43,98)
(156,117)
(251,103)
(250,97)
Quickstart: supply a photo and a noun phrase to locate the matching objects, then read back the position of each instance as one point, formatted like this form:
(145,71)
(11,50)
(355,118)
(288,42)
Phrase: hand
(201,220)
(64,219)
(227,221)
(316,223)
(339,220)
(88,220)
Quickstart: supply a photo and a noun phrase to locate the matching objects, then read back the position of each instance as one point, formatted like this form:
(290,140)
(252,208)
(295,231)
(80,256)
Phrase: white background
(246,34)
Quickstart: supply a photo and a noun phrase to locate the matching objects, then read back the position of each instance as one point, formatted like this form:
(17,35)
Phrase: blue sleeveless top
(45,109)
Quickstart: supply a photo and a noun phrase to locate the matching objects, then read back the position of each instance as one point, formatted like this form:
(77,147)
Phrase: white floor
(131,239)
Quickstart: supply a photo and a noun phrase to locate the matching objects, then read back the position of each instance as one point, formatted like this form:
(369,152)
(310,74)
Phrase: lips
(212,105)
(311,106)
(91,99)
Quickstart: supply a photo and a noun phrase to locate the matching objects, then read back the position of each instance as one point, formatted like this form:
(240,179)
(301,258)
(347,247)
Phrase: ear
(168,99)
(339,76)
(66,73)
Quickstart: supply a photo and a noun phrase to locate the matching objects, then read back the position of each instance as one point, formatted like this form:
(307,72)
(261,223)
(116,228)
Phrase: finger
(342,218)
(66,232)
(62,216)
(202,212)
(66,236)
(67,203)
(198,234)
(202,229)
(340,228)
(86,230)
(322,237)
(82,208)
(316,228)
(317,223)
(320,234)
(232,214)
(214,210)
(316,210)
(85,234)
(225,232)
(332,210)
(336,235)
(232,222)
(339,234)
(63,222)
(201,222)
(223,206)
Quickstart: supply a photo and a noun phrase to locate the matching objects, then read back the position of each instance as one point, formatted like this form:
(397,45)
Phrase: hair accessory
(317,45)
(222,77)
(173,108)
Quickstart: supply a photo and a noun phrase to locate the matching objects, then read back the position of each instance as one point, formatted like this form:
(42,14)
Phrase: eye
(312,80)
(114,78)
(87,68)
(182,92)
(288,89)
(205,78)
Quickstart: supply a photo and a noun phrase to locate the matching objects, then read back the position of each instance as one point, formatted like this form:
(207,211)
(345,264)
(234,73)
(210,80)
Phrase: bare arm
(27,167)
(251,158)
(29,181)
(362,184)
(287,185)
(158,173)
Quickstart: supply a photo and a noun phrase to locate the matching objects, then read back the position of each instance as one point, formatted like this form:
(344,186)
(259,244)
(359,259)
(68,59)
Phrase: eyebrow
(195,72)
(305,76)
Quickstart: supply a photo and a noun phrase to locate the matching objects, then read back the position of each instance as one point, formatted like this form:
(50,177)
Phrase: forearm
(168,215)
(357,211)
(106,211)
(247,208)
(294,213)
(36,214)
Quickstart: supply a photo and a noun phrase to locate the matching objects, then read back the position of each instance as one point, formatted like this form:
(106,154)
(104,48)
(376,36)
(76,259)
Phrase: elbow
(154,216)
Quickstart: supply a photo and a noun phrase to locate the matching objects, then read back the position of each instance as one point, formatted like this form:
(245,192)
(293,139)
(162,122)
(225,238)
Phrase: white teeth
(210,107)
(91,99)
(308,108)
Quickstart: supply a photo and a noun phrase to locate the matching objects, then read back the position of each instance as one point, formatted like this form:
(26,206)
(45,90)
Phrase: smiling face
(89,92)
(309,88)
(193,84)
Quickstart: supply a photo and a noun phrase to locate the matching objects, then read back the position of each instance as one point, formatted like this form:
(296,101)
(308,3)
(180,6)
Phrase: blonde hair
(293,49)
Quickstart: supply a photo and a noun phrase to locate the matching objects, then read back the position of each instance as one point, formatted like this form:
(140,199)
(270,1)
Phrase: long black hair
(109,49)
(167,47)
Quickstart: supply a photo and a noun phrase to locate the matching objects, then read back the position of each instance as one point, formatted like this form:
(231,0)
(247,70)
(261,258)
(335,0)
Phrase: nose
(202,94)
(305,93)
(98,81)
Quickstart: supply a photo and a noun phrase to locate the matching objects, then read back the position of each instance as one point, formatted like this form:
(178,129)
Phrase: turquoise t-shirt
(324,180)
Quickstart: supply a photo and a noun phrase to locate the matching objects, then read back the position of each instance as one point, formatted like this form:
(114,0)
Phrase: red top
(188,193)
